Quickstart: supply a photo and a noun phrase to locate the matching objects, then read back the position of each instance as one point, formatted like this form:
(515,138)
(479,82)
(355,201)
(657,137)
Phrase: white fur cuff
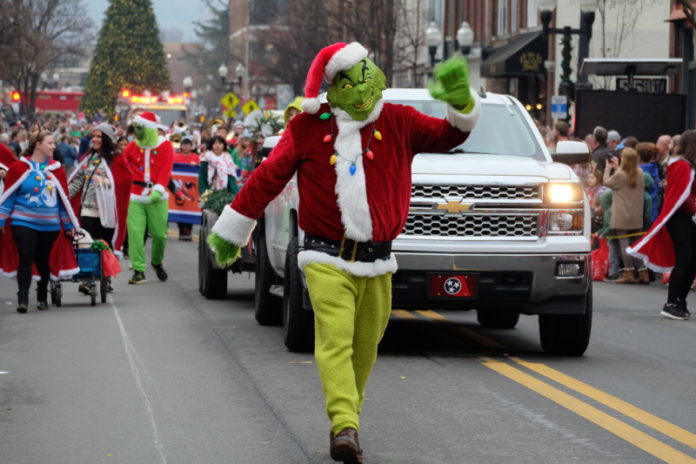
(356,268)
(159,188)
(465,122)
(234,227)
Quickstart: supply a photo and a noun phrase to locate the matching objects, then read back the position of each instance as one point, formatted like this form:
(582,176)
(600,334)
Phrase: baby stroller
(90,264)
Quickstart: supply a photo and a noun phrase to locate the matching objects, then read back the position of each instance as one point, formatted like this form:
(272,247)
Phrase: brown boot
(626,277)
(643,276)
(345,447)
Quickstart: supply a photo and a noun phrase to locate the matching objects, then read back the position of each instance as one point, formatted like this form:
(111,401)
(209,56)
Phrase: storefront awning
(522,55)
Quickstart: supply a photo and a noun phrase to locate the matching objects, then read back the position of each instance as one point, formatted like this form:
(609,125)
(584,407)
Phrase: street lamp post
(465,38)
(433,37)
(546,7)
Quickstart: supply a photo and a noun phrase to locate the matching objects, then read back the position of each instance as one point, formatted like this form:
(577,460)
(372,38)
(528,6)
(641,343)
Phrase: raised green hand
(451,83)
(225,252)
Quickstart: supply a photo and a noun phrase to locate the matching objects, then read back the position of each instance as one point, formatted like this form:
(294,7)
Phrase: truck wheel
(268,309)
(567,335)
(298,323)
(212,282)
(498,319)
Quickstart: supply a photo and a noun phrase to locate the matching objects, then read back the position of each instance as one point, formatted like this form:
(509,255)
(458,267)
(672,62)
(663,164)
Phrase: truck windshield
(501,129)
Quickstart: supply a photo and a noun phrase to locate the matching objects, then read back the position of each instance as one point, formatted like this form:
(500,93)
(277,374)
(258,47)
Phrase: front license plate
(452,286)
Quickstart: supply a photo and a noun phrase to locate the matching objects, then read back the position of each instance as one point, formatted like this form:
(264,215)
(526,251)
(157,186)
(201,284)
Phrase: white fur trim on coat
(351,189)
(356,268)
(234,226)
(462,121)
(159,188)
(344,59)
(311,105)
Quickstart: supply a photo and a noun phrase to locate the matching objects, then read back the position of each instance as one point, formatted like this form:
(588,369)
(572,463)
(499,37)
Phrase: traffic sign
(230,100)
(250,106)
(231,113)
(559,107)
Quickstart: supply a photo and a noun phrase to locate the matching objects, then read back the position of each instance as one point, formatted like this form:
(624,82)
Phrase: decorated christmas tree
(128,55)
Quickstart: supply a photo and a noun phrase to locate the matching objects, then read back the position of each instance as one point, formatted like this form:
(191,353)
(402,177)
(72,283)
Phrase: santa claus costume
(354,182)
(34,213)
(151,158)
(112,172)
(670,244)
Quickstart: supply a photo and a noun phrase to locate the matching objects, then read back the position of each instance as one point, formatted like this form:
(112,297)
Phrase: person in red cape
(102,168)
(104,165)
(34,213)
(670,244)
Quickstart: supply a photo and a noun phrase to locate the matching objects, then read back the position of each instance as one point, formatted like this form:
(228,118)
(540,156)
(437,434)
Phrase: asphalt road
(160,375)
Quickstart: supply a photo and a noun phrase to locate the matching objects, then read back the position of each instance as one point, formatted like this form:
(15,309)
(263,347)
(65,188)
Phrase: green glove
(452,84)
(155,196)
(225,252)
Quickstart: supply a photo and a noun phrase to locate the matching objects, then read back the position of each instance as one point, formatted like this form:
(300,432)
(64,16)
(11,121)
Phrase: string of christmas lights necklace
(328,138)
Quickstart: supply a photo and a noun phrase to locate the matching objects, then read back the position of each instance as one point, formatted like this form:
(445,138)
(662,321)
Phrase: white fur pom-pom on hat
(329,61)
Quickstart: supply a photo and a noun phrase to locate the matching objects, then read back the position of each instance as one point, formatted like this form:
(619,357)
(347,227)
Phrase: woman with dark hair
(670,244)
(217,171)
(34,209)
(102,172)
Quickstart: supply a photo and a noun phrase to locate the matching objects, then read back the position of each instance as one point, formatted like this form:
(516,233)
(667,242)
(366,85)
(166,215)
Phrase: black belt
(143,184)
(349,250)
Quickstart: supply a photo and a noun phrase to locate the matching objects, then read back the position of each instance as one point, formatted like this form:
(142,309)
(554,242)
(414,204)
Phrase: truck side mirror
(569,152)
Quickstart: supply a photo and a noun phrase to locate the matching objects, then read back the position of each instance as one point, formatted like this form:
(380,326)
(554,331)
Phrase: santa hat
(329,61)
(150,120)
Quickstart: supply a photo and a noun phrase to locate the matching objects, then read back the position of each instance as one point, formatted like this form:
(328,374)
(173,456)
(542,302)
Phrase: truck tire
(500,319)
(567,335)
(212,282)
(268,309)
(298,323)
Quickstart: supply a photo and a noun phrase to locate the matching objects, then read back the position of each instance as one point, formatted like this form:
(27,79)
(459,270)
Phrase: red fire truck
(57,101)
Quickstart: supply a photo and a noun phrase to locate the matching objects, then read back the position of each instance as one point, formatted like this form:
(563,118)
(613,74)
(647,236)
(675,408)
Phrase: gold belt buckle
(353,253)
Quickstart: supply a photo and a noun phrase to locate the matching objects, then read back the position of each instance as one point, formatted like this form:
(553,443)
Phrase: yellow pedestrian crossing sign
(250,106)
(231,113)
(230,100)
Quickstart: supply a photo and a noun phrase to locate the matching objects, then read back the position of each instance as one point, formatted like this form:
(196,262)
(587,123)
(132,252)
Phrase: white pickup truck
(496,225)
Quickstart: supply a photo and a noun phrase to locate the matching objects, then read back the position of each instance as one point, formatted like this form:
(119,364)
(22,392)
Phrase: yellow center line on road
(628,433)
(403,314)
(467,332)
(673,431)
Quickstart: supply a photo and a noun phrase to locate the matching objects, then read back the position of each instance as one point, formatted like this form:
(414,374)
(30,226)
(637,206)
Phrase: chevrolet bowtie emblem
(455,206)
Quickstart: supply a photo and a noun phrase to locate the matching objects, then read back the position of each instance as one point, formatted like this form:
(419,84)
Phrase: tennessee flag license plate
(452,286)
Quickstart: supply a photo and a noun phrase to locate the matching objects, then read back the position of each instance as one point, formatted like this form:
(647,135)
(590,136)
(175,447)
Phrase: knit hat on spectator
(613,136)
(330,60)
(108,130)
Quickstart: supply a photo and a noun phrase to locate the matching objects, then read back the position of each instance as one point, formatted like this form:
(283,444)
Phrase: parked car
(496,225)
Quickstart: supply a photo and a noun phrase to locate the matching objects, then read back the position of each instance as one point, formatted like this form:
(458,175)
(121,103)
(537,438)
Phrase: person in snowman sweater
(353,159)
(151,158)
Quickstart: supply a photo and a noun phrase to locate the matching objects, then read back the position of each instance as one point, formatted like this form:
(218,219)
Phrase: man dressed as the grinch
(353,160)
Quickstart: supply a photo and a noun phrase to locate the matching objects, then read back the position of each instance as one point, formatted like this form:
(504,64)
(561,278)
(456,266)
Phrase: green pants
(155,217)
(350,316)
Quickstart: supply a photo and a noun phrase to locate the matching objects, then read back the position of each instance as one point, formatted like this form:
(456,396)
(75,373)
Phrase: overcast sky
(170,14)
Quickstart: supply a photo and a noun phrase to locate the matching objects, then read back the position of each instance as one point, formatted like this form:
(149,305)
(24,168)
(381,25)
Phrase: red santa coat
(62,261)
(120,177)
(7,157)
(655,248)
(152,166)
(371,204)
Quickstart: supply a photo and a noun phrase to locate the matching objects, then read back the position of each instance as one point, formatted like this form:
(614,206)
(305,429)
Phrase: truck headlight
(558,193)
(565,222)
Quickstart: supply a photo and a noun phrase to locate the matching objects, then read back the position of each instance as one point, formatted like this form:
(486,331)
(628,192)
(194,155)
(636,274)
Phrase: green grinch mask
(145,136)
(358,89)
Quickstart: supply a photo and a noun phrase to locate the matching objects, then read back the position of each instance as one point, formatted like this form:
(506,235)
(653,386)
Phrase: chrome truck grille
(478,192)
(474,211)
